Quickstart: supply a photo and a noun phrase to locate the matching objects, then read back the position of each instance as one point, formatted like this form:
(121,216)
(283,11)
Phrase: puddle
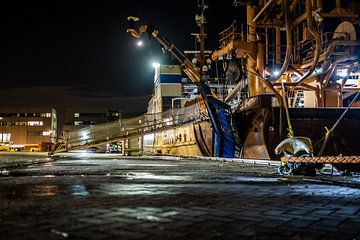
(149,165)
(150,176)
(44,190)
(78,190)
(137,189)
(253,179)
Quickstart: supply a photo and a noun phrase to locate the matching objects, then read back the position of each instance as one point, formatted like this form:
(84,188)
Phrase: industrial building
(79,117)
(28,127)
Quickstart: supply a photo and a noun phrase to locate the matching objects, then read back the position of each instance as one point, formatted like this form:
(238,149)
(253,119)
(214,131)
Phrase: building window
(47,115)
(46,133)
(35,123)
(76,114)
(5,137)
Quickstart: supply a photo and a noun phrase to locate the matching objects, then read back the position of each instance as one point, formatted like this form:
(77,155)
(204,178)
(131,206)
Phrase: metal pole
(253,82)
(278,44)
(266,46)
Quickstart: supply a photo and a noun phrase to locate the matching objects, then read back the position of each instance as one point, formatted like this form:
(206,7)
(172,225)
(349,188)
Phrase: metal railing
(234,31)
(125,128)
(304,50)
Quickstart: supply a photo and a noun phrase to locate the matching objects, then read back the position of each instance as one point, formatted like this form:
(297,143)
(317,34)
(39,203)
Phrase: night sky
(77,53)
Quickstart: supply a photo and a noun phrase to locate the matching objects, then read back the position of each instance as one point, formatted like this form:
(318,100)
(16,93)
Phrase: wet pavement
(94,196)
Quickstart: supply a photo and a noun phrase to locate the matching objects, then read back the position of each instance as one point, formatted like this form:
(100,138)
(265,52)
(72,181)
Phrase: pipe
(262,11)
(351,68)
(292,7)
(288,43)
(266,46)
(338,3)
(270,11)
(233,93)
(277,45)
(298,20)
(339,15)
(335,43)
(330,49)
(268,82)
(328,75)
(319,4)
(317,37)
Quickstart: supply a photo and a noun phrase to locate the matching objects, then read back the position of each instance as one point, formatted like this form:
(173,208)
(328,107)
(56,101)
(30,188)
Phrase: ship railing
(295,99)
(136,126)
(304,50)
(234,31)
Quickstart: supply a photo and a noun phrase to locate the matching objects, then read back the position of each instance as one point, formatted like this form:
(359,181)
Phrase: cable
(329,131)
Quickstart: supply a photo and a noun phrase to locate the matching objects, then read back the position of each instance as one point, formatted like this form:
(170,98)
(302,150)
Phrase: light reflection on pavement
(107,198)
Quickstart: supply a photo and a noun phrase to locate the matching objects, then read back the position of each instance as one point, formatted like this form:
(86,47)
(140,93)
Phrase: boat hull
(262,127)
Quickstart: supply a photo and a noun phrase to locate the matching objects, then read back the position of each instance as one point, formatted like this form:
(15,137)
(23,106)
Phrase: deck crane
(226,142)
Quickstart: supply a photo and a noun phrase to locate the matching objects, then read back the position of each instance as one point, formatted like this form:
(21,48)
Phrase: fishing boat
(292,79)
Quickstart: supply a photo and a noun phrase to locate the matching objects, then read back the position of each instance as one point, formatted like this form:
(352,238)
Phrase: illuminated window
(47,115)
(341,72)
(5,137)
(35,123)
(46,133)
(76,114)
(78,123)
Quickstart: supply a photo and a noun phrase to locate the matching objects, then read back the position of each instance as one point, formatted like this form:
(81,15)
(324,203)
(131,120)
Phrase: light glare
(139,43)
(156,64)
(342,72)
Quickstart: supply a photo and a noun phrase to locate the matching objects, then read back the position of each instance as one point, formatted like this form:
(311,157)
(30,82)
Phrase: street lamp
(139,43)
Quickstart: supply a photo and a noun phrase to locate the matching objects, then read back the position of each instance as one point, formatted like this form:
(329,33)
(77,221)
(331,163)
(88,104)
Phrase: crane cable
(329,131)
(290,129)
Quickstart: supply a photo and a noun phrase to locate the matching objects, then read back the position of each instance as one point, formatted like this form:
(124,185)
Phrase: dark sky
(74,53)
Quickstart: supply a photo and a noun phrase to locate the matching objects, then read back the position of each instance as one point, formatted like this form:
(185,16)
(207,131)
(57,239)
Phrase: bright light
(46,133)
(276,73)
(35,123)
(139,43)
(156,64)
(342,72)
(84,135)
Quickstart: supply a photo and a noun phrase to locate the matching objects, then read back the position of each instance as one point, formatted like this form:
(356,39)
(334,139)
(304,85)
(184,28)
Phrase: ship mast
(200,20)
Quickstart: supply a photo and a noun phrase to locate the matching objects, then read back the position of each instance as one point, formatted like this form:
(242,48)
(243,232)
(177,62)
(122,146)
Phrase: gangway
(100,134)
